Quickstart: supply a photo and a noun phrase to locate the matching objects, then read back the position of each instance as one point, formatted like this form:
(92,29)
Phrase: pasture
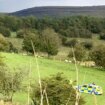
(49,67)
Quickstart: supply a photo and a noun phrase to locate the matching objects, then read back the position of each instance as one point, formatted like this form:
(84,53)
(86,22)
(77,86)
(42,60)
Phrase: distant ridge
(61,11)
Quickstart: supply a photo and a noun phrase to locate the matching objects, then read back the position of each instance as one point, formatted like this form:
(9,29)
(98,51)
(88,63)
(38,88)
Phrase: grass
(49,67)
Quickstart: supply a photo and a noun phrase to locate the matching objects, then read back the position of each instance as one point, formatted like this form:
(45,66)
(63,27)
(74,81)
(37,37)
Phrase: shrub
(1,61)
(88,45)
(20,34)
(5,31)
(58,90)
(3,43)
(102,36)
(10,83)
(64,39)
(12,48)
(80,53)
(71,43)
(98,55)
(27,42)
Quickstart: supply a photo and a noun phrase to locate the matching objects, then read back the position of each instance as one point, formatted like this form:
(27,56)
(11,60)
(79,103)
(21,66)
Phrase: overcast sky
(15,5)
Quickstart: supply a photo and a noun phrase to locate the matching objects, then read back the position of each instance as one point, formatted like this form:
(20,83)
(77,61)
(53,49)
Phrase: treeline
(74,26)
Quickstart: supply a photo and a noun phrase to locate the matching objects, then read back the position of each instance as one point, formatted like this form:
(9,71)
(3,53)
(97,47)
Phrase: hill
(61,11)
(49,67)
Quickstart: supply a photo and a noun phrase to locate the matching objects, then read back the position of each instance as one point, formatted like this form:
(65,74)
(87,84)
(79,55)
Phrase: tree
(10,83)
(27,45)
(3,43)
(20,33)
(58,90)
(71,43)
(50,41)
(98,55)
(87,44)
(1,61)
(102,36)
(79,52)
(5,31)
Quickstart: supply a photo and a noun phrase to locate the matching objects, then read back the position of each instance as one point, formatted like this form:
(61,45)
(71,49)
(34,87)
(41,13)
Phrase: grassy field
(48,67)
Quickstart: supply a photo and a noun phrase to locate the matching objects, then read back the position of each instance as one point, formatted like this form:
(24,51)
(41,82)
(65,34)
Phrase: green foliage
(3,43)
(98,55)
(63,39)
(27,45)
(5,31)
(80,53)
(95,25)
(58,90)
(20,33)
(87,44)
(51,67)
(1,61)
(12,48)
(74,26)
(50,41)
(71,43)
(10,83)
(102,36)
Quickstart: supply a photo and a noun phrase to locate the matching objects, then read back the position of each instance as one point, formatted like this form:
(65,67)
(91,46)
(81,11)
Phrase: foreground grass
(48,67)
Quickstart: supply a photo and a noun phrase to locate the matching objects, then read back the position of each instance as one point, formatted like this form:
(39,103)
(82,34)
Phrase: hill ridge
(60,11)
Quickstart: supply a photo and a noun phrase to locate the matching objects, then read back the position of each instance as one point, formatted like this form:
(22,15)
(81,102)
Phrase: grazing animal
(87,63)
(68,61)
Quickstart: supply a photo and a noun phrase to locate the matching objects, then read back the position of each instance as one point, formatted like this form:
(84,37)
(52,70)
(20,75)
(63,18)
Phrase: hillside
(60,11)
(48,67)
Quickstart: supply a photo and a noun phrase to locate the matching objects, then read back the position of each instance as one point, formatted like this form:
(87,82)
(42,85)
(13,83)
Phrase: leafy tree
(98,55)
(102,36)
(20,33)
(27,45)
(88,45)
(5,31)
(10,83)
(58,90)
(3,43)
(80,53)
(12,48)
(71,43)
(50,41)
(63,39)
(94,25)
(1,61)
(11,22)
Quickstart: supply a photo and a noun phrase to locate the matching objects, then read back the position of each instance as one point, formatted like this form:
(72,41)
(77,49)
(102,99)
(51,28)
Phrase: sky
(16,5)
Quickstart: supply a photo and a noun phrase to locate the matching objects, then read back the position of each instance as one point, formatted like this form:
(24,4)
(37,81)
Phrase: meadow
(49,67)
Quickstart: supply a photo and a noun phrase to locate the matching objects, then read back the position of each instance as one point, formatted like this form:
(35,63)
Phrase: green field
(48,67)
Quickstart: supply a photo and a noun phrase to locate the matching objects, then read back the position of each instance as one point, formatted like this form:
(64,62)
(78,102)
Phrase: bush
(71,43)
(80,53)
(20,34)
(10,83)
(27,45)
(88,45)
(102,36)
(98,55)
(5,31)
(58,90)
(1,61)
(64,39)
(12,48)
(3,43)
